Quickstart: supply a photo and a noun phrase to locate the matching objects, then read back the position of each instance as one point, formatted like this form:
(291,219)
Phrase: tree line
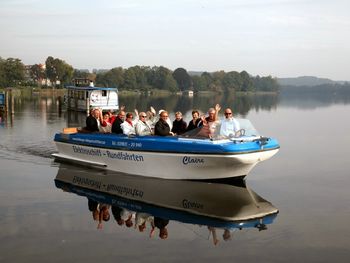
(137,78)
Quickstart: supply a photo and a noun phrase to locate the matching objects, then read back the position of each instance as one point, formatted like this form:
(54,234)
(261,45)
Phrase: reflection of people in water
(93,207)
(141,219)
(122,216)
(116,211)
(212,231)
(100,212)
(161,224)
(103,214)
(226,235)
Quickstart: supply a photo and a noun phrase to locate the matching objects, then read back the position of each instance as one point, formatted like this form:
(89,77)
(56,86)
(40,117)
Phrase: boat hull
(190,166)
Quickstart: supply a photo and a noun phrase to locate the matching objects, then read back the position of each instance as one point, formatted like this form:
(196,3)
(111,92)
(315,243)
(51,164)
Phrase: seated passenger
(93,120)
(229,126)
(179,125)
(106,126)
(117,122)
(194,122)
(162,127)
(128,126)
(167,119)
(211,122)
(142,128)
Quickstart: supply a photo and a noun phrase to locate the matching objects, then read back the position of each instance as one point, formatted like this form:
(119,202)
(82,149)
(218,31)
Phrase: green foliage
(58,70)
(12,72)
(182,78)
(111,78)
(136,78)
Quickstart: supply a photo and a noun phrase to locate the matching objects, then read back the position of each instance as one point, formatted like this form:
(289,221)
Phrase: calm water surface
(308,181)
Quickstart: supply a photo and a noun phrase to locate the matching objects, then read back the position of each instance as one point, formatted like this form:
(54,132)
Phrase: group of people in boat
(148,123)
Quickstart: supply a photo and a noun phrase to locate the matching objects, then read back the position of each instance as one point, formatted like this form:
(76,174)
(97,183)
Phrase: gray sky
(282,38)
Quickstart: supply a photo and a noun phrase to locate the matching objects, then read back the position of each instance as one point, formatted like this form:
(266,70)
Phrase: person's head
(105,215)
(226,235)
(211,113)
(178,115)
(129,222)
(142,116)
(129,116)
(96,113)
(121,115)
(228,113)
(142,227)
(195,114)
(120,221)
(164,115)
(163,233)
(106,116)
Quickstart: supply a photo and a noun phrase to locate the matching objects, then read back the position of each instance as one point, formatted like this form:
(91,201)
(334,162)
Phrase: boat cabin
(83,96)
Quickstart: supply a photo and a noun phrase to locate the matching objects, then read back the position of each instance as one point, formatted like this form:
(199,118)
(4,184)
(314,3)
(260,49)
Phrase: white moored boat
(180,157)
(83,96)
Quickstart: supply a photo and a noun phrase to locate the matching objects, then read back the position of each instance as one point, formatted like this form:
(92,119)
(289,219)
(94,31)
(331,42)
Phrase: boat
(188,156)
(192,202)
(84,96)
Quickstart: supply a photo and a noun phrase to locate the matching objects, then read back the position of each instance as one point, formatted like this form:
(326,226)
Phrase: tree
(232,80)
(58,70)
(111,78)
(162,79)
(199,83)
(37,72)
(247,82)
(13,72)
(182,78)
(130,79)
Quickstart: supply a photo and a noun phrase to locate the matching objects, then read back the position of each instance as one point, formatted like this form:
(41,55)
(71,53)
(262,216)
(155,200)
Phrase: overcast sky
(282,38)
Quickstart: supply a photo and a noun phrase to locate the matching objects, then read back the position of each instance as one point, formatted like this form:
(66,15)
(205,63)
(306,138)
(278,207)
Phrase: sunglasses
(228,113)
(142,116)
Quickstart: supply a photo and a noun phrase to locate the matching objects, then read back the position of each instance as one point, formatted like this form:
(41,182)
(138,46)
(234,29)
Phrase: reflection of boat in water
(195,202)
(178,157)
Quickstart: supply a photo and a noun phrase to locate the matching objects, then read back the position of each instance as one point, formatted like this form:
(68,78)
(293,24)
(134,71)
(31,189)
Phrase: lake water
(307,181)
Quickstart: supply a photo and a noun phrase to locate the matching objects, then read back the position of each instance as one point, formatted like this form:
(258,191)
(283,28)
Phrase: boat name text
(191,204)
(188,160)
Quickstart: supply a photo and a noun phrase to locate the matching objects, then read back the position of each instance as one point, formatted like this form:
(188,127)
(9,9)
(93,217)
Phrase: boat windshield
(204,132)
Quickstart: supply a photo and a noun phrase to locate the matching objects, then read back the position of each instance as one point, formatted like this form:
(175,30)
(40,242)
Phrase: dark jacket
(91,124)
(162,128)
(116,126)
(192,126)
(179,127)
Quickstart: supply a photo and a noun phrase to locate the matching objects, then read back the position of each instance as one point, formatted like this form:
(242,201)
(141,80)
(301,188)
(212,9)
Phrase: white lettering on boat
(189,160)
(89,141)
(191,204)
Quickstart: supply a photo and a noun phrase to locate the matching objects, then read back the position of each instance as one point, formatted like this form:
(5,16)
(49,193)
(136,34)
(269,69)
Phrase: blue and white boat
(179,157)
